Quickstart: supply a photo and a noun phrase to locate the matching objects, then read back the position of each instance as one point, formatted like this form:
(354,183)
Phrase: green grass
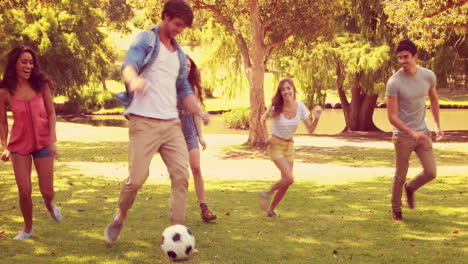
(219,104)
(355,156)
(453,100)
(322,221)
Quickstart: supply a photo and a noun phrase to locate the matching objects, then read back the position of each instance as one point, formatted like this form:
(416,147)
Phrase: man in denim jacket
(155,77)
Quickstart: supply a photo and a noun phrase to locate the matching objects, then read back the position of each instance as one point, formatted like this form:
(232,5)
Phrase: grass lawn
(337,211)
(453,100)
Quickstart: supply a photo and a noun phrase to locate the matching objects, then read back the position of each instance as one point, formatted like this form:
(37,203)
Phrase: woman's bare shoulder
(4,94)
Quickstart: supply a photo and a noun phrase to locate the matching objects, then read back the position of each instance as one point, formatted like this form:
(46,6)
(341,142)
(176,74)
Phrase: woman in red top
(26,90)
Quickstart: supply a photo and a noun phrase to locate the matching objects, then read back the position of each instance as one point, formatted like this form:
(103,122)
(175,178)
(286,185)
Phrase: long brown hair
(38,79)
(195,81)
(277,102)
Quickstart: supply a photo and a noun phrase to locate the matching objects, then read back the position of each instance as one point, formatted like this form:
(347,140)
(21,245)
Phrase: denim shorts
(40,153)
(190,130)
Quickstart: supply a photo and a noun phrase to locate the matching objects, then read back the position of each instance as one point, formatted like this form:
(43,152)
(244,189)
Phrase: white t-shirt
(161,99)
(285,128)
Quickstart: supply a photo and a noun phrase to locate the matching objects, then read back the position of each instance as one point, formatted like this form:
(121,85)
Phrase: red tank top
(30,130)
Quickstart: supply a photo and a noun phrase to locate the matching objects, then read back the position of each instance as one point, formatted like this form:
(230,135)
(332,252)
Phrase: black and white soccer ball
(177,242)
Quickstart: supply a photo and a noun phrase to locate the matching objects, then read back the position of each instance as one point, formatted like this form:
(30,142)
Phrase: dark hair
(38,79)
(195,80)
(277,100)
(180,9)
(407,45)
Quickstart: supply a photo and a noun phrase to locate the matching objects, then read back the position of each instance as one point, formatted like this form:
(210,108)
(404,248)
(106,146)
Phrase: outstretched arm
(435,112)
(263,121)
(49,104)
(3,125)
(134,82)
(265,117)
(199,131)
(311,125)
(190,103)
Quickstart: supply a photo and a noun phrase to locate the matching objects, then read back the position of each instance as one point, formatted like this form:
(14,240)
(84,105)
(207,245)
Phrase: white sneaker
(55,214)
(22,235)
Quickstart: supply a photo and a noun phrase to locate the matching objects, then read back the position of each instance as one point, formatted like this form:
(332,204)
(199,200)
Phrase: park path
(217,166)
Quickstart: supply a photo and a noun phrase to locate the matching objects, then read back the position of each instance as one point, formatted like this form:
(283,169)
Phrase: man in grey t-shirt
(406,106)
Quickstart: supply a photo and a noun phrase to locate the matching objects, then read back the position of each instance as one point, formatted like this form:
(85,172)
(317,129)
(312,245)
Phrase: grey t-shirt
(411,91)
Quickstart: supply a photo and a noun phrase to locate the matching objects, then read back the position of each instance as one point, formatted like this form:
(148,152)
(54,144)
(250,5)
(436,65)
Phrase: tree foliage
(430,22)
(70,38)
(439,28)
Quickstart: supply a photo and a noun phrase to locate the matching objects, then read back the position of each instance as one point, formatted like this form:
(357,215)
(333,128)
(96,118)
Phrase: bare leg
(22,169)
(45,172)
(281,186)
(194,159)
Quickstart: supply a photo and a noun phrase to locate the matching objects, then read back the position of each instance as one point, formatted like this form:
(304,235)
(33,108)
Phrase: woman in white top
(285,113)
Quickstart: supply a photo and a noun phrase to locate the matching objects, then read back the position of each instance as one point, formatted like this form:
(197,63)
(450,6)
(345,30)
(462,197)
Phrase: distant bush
(237,118)
(90,99)
(108,100)
(114,72)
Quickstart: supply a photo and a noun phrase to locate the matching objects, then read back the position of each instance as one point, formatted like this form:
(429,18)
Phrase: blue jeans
(40,153)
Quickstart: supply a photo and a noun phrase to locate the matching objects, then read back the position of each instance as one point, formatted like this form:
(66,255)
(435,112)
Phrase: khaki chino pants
(404,146)
(148,136)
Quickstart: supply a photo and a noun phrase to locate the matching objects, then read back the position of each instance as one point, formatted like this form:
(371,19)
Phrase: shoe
(22,235)
(207,215)
(112,231)
(56,214)
(397,216)
(273,214)
(264,201)
(409,196)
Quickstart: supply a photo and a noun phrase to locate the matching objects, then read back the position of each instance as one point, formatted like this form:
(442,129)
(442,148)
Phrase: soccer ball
(177,242)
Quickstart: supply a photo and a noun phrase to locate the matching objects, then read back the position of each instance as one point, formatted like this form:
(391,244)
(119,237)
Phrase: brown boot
(397,216)
(206,214)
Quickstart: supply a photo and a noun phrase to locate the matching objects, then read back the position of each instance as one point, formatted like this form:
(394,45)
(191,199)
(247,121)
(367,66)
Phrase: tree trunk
(341,93)
(357,114)
(365,121)
(356,101)
(255,74)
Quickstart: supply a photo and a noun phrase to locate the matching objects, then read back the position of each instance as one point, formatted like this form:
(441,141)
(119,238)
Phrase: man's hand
(419,136)
(439,134)
(138,85)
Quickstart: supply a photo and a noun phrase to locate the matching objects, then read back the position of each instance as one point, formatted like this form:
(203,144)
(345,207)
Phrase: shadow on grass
(344,155)
(357,136)
(319,223)
(102,151)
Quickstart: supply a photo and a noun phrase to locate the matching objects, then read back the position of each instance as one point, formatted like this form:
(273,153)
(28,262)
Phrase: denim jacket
(143,52)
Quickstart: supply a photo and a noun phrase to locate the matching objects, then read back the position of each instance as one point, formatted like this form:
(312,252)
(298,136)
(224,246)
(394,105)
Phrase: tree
(356,62)
(362,65)
(438,27)
(429,23)
(216,52)
(69,37)
(260,28)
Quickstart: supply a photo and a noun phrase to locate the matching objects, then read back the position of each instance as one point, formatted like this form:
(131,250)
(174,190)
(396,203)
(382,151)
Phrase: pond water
(331,122)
